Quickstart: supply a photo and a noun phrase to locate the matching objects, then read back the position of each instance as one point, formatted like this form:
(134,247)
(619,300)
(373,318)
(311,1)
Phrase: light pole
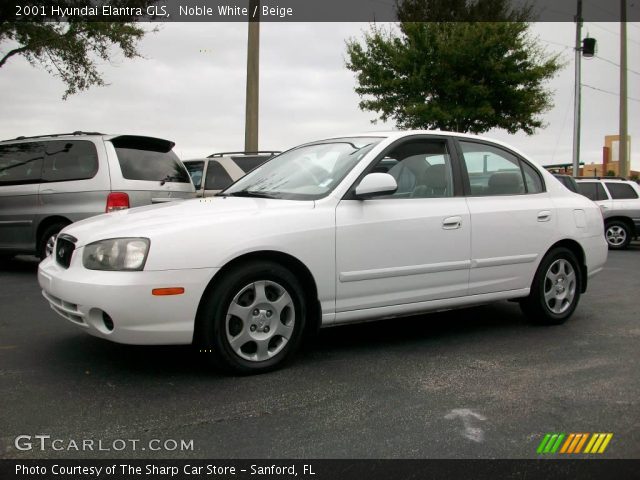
(253,78)
(576,96)
(623,165)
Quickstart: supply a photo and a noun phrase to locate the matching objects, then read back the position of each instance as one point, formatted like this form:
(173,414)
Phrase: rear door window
(69,160)
(621,191)
(196,170)
(217,177)
(144,158)
(21,163)
(592,190)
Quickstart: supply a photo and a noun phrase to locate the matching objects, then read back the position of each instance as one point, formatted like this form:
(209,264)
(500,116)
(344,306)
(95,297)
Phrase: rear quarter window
(148,159)
(621,191)
(196,170)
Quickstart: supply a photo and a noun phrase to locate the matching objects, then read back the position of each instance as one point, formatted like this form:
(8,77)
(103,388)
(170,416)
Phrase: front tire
(47,240)
(252,320)
(617,234)
(556,287)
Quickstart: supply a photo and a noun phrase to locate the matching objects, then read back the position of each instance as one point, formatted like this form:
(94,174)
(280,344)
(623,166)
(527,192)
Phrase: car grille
(64,251)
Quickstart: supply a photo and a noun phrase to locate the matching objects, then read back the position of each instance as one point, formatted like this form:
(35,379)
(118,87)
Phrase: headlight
(116,254)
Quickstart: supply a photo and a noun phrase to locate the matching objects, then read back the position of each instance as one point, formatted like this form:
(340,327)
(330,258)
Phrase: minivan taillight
(117,201)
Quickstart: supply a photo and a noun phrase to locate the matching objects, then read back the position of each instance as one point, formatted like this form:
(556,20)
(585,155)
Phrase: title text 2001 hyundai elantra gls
(340,230)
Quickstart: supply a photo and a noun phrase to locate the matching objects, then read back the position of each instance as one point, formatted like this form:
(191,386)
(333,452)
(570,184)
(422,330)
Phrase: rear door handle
(544,216)
(451,223)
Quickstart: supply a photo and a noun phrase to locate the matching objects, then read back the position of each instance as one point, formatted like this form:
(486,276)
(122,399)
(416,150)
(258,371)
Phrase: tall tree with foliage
(467,76)
(72,49)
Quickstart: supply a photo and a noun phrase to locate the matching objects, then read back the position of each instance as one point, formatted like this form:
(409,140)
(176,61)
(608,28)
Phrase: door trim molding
(390,272)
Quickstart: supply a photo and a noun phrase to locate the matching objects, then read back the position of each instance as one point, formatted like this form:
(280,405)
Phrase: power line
(608,91)
(613,32)
(616,64)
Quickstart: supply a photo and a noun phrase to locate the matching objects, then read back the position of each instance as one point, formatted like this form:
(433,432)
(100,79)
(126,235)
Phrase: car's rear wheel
(617,234)
(555,291)
(47,239)
(253,318)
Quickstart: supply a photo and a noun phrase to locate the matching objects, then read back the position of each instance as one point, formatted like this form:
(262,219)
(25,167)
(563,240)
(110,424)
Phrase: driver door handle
(451,223)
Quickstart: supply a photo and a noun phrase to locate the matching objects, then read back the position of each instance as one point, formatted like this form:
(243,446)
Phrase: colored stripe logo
(572,443)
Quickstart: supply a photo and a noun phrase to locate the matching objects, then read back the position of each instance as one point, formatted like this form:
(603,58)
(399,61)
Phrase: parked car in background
(213,174)
(341,230)
(50,181)
(619,200)
(568,181)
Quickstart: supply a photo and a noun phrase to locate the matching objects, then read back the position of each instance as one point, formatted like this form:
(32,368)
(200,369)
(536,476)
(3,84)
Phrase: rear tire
(555,291)
(48,238)
(252,320)
(617,234)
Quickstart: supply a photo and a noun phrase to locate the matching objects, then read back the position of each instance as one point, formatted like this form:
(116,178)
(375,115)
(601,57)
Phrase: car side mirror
(376,184)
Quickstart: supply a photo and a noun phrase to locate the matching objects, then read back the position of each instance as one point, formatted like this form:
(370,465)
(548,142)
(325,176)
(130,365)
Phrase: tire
(555,291)
(617,234)
(252,320)
(50,233)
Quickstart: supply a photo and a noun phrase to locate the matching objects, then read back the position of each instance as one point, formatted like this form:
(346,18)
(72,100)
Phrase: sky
(190,88)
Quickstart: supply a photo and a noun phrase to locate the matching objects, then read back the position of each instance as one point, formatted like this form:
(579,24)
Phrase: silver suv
(619,200)
(50,181)
(218,171)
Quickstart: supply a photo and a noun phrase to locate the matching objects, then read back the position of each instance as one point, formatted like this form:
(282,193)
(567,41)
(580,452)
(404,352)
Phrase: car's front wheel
(617,234)
(555,290)
(253,318)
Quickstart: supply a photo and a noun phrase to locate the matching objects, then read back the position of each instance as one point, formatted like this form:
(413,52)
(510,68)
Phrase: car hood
(179,215)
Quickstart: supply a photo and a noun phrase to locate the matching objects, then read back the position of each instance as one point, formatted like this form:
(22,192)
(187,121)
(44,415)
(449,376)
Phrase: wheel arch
(47,222)
(297,267)
(578,251)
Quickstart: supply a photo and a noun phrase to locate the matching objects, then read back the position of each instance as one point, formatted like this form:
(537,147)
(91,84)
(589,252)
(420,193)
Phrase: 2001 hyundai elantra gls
(340,230)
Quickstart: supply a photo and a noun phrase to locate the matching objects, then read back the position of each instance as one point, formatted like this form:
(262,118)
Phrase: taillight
(117,201)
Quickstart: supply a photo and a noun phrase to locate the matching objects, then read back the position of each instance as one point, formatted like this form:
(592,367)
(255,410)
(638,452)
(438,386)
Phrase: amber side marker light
(167,291)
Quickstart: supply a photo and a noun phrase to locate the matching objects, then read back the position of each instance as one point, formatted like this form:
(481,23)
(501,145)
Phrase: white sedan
(341,230)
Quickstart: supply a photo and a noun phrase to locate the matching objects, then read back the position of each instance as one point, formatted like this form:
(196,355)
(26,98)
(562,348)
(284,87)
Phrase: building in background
(610,165)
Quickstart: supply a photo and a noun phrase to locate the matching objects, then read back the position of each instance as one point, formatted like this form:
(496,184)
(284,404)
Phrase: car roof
(398,134)
(81,134)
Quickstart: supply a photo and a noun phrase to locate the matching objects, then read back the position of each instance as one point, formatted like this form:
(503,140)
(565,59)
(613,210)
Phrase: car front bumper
(88,297)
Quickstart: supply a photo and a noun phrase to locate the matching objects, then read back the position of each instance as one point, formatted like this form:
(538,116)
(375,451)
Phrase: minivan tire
(50,232)
(272,285)
(556,287)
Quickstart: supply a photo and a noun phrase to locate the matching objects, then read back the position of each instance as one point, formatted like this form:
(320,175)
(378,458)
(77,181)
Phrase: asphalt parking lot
(478,382)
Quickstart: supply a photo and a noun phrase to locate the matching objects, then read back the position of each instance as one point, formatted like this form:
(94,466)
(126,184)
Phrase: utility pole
(253,78)
(576,96)
(623,164)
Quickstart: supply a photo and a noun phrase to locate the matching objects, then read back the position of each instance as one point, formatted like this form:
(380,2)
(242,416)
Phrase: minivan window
(21,163)
(66,160)
(217,177)
(621,191)
(592,190)
(195,169)
(144,159)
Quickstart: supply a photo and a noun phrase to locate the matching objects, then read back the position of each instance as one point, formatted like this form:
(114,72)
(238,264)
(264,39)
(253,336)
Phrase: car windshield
(308,172)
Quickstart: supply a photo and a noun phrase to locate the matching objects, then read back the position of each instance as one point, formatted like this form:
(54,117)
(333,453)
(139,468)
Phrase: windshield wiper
(251,193)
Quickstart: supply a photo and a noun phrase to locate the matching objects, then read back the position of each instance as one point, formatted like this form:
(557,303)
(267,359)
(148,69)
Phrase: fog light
(108,322)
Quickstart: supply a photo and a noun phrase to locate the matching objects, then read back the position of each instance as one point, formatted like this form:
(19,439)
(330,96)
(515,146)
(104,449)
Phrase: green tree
(468,76)
(72,50)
